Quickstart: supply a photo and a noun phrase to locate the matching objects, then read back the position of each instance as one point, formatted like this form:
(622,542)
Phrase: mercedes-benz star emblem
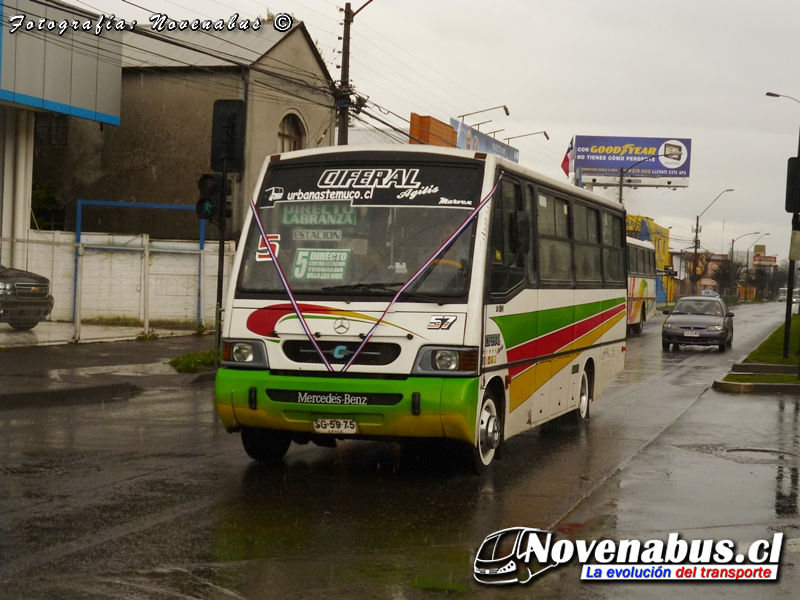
(341,325)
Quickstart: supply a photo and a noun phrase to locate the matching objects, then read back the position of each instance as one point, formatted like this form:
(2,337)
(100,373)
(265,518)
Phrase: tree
(727,272)
(778,278)
(47,213)
(701,270)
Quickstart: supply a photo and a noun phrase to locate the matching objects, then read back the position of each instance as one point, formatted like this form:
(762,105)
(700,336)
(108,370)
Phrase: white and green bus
(407,292)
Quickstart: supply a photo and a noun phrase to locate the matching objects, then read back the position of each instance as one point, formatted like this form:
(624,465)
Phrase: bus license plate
(690,334)
(335,426)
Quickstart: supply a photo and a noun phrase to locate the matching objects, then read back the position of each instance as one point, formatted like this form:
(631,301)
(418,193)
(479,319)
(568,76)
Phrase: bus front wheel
(265,445)
(488,433)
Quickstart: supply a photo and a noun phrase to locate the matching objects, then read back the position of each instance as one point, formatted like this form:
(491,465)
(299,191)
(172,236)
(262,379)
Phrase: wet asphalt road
(150,498)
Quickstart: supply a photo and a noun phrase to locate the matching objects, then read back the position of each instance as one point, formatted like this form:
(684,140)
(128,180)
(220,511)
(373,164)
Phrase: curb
(732,387)
(204,377)
(75,395)
(743,367)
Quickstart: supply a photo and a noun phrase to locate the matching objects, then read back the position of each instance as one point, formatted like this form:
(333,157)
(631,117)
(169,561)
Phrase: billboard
(472,139)
(430,130)
(641,161)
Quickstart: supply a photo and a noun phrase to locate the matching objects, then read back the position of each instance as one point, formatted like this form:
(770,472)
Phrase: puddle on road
(750,455)
(762,455)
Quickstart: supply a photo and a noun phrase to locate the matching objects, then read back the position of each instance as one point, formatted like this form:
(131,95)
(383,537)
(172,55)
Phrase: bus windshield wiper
(362,287)
(379,288)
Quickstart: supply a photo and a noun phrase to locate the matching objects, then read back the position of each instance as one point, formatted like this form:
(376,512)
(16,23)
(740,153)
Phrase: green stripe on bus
(521,328)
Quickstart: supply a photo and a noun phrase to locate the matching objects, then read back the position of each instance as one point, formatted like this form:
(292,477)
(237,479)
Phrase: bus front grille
(373,354)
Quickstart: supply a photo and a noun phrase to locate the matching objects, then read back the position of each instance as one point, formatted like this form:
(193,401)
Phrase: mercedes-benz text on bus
(398,293)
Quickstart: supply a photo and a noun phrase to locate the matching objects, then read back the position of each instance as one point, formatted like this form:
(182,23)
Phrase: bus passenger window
(588,254)
(613,258)
(555,255)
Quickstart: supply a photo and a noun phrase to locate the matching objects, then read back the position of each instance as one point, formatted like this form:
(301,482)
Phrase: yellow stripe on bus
(524,385)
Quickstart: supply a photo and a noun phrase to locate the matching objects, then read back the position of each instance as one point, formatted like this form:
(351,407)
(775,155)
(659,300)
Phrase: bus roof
(641,243)
(491,159)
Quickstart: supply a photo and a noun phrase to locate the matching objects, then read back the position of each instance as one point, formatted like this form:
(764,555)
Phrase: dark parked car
(24,298)
(698,321)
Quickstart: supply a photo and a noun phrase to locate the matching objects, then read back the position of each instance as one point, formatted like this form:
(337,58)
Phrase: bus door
(556,296)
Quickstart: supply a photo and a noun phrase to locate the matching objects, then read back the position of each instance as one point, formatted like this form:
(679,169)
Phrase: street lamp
(754,243)
(731,261)
(696,231)
(513,137)
(787,325)
(774,95)
(503,106)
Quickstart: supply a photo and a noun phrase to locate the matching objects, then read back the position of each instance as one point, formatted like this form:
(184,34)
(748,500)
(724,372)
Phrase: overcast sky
(696,69)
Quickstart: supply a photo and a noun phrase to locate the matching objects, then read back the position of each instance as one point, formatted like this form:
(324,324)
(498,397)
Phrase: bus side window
(553,237)
(588,254)
(613,258)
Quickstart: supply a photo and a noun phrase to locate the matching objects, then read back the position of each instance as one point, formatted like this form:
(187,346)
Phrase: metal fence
(105,287)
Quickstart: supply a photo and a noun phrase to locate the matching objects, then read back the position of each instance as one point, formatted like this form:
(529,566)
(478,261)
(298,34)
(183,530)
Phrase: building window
(51,129)
(291,134)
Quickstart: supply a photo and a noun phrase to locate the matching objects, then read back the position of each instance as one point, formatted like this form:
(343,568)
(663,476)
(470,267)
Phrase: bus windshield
(363,231)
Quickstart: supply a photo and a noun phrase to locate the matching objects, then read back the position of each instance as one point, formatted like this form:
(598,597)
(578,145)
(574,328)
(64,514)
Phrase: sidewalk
(77,373)
(48,333)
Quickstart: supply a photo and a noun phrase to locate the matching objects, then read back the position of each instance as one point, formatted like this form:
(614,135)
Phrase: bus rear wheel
(636,328)
(585,392)
(265,445)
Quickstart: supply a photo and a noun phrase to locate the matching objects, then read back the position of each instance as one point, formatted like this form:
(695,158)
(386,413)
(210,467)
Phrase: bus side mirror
(523,233)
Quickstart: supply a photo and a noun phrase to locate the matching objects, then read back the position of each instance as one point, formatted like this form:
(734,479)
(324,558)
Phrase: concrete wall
(113,275)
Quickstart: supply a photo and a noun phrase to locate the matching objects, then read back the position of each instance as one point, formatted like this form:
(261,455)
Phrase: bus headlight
(244,354)
(453,361)
(445,360)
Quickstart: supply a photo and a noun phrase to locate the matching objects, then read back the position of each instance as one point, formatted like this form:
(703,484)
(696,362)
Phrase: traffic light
(208,206)
(227,136)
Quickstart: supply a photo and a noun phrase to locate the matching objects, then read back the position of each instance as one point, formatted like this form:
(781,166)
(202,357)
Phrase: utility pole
(792,188)
(694,259)
(697,241)
(344,90)
(343,98)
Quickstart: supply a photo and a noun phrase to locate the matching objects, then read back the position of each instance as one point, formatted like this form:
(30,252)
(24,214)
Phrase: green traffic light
(207,209)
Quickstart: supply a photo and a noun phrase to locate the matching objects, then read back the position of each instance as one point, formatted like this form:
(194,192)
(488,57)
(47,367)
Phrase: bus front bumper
(257,398)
